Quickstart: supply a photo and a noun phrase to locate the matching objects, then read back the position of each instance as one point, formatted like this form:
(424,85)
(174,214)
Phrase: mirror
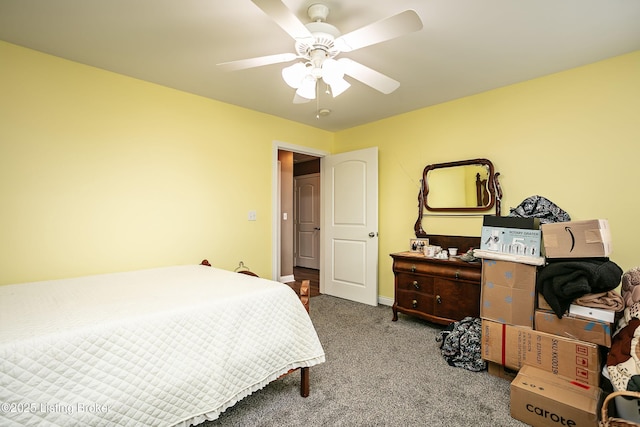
(458,187)
(462,186)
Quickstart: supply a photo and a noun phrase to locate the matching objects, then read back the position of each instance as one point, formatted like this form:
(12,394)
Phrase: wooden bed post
(304,382)
(304,372)
(305,289)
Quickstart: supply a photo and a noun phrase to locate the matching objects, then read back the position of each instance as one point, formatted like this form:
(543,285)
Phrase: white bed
(162,347)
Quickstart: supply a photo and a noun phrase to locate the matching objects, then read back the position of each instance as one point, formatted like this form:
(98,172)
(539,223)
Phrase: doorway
(349,235)
(289,160)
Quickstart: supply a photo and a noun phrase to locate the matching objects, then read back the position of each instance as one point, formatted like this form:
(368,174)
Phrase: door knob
(372,234)
(316,228)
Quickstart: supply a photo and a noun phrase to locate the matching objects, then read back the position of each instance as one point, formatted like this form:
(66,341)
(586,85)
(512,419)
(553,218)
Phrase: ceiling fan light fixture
(339,86)
(332,71)
(333,75)
(294,75)
(308,88)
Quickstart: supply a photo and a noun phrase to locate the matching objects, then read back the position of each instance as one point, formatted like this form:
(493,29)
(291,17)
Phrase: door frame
(275,200)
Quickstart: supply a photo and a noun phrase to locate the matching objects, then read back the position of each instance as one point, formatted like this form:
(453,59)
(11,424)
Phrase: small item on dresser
(468,256)
(443,254)
(418,245)
(453,251)
(430,251)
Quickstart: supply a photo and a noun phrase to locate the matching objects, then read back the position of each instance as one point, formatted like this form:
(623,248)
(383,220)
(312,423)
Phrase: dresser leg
(395,315)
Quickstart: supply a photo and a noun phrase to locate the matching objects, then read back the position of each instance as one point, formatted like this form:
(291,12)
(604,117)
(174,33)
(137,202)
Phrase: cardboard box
(514,241)
(511,222)
(589,330)
(517,346)
(541,399)
(508,291)
(542,303)
(577,239)
(497,370)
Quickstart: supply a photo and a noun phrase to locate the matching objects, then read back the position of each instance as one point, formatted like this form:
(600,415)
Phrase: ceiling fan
(318,43)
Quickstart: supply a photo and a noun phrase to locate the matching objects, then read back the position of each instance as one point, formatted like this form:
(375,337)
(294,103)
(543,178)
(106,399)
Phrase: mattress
(160,347)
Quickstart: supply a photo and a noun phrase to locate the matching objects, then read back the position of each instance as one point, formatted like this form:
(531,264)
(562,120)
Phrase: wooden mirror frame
(492,187)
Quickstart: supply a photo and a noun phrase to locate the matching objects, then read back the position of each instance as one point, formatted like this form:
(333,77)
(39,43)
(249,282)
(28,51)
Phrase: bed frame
(304,299)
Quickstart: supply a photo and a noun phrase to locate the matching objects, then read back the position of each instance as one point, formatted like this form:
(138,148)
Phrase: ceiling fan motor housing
(323,39)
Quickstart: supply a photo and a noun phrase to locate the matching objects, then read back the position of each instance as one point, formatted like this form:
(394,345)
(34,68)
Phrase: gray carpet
(377,373)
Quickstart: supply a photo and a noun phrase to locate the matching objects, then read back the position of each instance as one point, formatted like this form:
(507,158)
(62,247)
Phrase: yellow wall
(573,137)
(100,172)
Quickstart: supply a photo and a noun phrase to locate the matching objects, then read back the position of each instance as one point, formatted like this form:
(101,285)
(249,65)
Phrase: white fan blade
(284,17)
(257,62)
(386,29)
(370,77)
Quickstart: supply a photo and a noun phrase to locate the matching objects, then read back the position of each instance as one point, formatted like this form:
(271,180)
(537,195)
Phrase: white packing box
(512,241)
(593,313)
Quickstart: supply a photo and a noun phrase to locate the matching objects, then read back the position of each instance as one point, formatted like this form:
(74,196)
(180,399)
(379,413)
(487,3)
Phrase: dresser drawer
(454,298)
(451,269)
(415,301)
(415,282)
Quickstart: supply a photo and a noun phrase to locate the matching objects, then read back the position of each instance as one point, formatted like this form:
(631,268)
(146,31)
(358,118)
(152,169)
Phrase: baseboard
(287,279)
(385,301)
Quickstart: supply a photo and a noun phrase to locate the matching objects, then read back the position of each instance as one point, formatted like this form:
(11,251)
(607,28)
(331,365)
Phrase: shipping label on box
(541,399)
(513,241)
(518,346)
(590,330)
(577,239)
(508,292)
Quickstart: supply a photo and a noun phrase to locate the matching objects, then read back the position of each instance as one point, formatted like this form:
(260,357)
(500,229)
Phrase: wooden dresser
(440,291)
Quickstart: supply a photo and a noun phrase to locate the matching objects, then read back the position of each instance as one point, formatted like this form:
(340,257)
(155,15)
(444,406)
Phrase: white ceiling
(466,46)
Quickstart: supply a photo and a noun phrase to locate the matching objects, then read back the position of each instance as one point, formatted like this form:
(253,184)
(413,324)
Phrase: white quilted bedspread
(161,347)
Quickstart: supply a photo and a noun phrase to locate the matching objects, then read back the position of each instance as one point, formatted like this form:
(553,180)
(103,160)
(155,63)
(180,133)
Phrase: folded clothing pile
(561,282)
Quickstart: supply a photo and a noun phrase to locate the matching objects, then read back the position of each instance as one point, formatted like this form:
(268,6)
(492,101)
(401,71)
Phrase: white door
(350,226)
(307,220)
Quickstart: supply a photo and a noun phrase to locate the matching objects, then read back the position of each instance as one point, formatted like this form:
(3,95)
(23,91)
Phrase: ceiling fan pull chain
(317,101)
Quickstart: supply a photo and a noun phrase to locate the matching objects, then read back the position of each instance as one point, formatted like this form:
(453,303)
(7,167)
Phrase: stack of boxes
(577,239)
(554,363)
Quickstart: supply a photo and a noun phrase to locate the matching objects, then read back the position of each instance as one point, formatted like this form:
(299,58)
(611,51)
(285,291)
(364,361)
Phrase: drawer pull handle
(416,285)
(438,299)
(414,303)
(457,274)
(413,268)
